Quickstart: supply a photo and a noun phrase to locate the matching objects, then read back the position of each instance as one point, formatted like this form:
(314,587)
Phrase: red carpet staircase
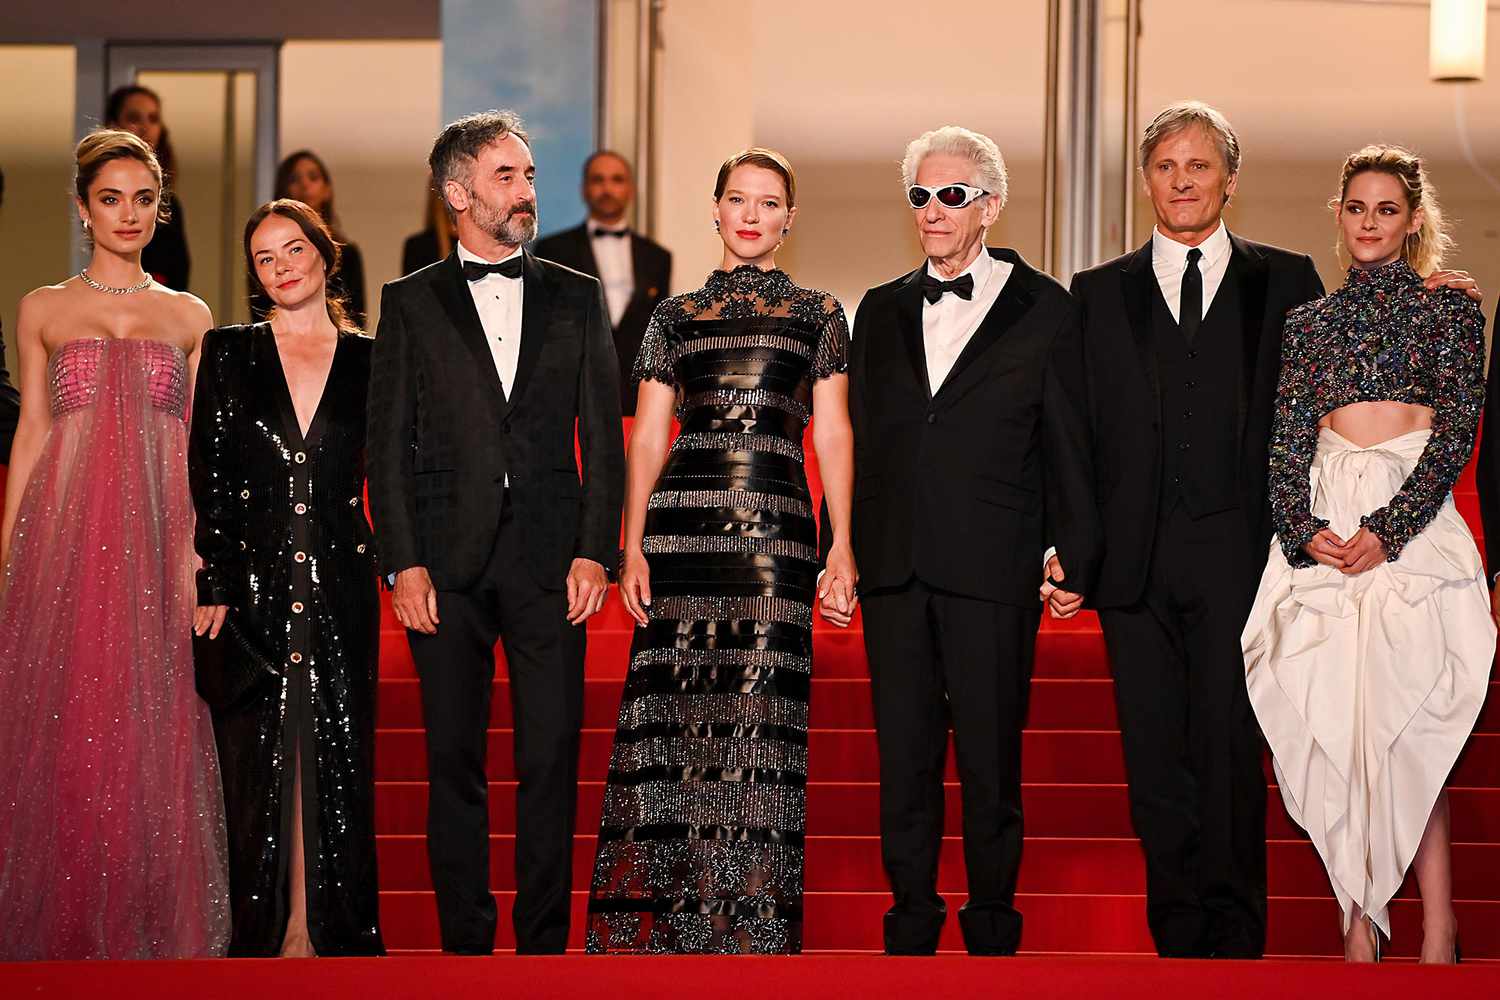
(1082,878)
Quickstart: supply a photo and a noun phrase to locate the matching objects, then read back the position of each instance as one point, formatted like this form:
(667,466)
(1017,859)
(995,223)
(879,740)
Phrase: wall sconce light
(1456,41)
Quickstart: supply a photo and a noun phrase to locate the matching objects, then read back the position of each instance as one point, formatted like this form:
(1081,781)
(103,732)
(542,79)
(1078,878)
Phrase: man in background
(635,272)
(10,400)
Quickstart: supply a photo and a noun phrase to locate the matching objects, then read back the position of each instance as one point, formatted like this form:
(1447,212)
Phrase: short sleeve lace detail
(657,359)
(831,356)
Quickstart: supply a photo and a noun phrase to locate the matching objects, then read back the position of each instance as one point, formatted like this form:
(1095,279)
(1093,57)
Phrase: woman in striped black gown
(701,841)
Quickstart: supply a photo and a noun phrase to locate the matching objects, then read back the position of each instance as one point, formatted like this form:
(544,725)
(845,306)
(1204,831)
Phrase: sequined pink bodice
(73,373)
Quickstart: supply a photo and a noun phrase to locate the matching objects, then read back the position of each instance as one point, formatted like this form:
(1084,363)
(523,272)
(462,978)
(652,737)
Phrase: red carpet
(1082,877)
(1081,886)
(821,977)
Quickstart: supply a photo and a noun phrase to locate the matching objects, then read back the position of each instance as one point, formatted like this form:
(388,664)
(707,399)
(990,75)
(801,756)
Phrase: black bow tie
(962,286)
(609,232)
(509,268)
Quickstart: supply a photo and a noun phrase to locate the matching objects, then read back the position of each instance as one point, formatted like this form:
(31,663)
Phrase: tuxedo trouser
(544,656)
(1192,746)
(935,656)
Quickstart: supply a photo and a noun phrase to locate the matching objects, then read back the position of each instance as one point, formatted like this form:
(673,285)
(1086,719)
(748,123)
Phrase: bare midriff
(1368,424)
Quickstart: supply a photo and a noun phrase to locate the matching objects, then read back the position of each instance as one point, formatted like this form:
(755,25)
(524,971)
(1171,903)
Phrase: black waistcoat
(1200,384)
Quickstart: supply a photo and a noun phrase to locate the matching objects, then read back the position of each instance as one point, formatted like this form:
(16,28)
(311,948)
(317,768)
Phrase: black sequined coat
(285,543)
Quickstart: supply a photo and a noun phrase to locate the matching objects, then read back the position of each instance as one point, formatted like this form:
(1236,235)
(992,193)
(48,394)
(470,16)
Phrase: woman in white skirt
(1368,651)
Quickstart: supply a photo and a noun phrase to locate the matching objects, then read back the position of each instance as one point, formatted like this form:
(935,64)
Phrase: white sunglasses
(949,195)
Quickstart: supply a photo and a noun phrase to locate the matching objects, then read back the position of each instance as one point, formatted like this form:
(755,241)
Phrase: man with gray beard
(483,364)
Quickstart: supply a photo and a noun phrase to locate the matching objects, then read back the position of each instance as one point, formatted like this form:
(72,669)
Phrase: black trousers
(935,656)
(457,669)
(1192,745)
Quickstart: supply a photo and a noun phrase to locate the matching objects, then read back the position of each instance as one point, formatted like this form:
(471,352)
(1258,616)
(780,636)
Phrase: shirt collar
(464,253)
(619,227)
(1166,250)
(981,269)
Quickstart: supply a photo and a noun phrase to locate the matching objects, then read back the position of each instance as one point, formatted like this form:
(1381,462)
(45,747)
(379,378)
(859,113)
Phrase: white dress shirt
(949,323)
(1169,261)
(616,268)
(498,301)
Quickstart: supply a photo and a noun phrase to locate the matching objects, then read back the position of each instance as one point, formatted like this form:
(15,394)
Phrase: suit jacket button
(932,418)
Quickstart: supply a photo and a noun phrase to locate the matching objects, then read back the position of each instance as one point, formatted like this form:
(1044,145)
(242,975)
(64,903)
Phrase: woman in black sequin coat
(701,841)
(277,468)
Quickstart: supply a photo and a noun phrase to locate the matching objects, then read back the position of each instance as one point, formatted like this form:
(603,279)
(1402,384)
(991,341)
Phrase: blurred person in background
(10,400)
(435,241)
(137,109)
(636,273)
(303,176)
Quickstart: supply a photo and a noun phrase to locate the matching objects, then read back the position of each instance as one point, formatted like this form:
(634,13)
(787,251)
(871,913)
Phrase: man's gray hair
(461,141)
(954,140)
(1189,114)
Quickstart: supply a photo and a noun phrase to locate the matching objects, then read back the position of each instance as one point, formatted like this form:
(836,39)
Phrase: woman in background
(304,177)
(1368,651)
(137,109)
(278,473)
(111,815)
(435,241)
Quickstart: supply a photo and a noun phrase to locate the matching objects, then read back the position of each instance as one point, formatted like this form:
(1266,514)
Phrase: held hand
(837,596)
(415,600)
(1327,548)
(209,618)
(635,587)
(588,586)
(1061,604)
(1363,552)
(1462,280)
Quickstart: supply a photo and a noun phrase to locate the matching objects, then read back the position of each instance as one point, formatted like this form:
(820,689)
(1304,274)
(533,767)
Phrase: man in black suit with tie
(483,364)
(966,397)
(635,272)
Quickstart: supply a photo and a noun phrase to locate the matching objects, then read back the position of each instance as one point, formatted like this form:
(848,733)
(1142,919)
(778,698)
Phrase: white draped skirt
(1367,687)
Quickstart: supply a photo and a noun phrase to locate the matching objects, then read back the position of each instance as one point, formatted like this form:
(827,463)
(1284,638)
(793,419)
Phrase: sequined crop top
(1380,337)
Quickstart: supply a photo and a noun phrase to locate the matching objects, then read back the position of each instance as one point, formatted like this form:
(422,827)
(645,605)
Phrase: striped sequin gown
(701,840)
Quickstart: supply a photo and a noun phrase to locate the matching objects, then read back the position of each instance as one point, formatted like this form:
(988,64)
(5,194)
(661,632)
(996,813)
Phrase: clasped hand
(837,596)
(1060,603)
(1364,551)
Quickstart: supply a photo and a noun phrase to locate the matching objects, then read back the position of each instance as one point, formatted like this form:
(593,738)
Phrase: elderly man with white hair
(966,397)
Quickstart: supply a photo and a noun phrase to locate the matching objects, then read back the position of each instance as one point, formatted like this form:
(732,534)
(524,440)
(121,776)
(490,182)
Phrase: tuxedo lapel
(1138,284)
(584,248)
(453,292)
(1253,274)
(1014,302)
(909,320)
(535,308)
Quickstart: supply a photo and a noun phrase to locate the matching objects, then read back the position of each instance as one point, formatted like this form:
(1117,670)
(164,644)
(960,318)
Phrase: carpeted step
(1080,865)
(1060,654)
(1062,756)
(851,921)
(852,809)
(837,703)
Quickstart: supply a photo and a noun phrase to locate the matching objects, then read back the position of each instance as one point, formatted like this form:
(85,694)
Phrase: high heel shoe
(1374,937)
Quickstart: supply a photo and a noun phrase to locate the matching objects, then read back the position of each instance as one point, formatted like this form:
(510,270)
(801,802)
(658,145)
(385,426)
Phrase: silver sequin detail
(735,499)
(707,803)
(773,659)
(695,709)
(717,751)
(774,341)
(730,441)
(668,544)
(747,397)
(733,609)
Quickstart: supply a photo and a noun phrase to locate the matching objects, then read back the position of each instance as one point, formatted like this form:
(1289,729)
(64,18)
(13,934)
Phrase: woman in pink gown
(111,815)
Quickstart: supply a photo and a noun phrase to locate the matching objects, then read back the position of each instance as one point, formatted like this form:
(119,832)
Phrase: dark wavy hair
(283,188)
(319,235)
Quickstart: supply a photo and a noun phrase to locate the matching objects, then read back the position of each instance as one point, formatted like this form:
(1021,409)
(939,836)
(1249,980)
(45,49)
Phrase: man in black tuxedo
(483,362)
(636,273)
(966,397)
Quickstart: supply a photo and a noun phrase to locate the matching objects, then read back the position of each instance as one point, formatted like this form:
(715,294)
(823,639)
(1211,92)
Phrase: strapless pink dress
(111,812)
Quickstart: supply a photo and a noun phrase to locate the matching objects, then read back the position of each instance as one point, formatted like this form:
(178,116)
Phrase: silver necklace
(111,289)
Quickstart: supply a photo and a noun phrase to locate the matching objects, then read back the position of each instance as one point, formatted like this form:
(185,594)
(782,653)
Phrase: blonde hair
(1425,248)
(106,144)
(766,159)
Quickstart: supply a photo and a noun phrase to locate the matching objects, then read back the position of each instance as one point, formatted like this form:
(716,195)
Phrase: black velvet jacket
(284,540)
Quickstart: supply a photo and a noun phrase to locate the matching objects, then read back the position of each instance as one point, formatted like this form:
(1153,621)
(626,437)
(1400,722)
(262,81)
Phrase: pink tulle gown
(111,813)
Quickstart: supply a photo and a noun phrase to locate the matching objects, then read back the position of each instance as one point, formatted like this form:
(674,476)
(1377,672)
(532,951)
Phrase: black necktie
(609,232)
(1190,306)
(510,267)
(962,286)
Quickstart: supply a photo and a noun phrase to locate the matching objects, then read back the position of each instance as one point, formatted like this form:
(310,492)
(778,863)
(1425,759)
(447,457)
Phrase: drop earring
(87,225)
(716,225)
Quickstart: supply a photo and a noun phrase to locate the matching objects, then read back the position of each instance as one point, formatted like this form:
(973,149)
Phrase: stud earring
(786,230)
(716,225)
(87,224)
